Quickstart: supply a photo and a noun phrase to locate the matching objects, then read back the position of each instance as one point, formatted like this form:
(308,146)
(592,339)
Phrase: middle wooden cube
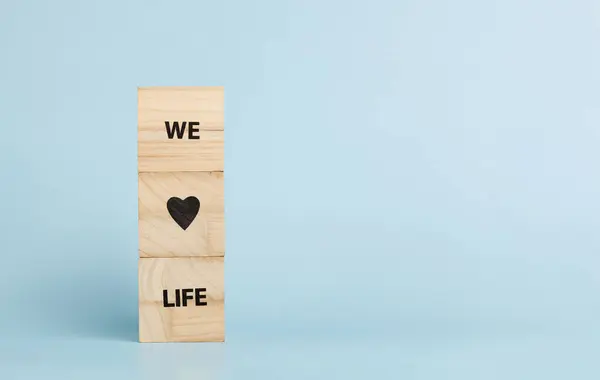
(181,214)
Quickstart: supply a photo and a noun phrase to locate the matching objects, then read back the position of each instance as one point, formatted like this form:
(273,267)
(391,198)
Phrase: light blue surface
(412,187)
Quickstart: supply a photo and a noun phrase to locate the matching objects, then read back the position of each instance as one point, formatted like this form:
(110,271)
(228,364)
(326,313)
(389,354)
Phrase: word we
(182,296)
(179,129)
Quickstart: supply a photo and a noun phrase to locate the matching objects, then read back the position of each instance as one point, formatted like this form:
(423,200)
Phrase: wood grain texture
(192,323)
(158,153)
(160,235)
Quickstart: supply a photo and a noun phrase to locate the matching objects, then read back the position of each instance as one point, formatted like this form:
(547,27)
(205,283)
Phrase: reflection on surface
(181,361)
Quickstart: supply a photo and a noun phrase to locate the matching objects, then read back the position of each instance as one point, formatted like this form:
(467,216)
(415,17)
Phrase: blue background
(411,186)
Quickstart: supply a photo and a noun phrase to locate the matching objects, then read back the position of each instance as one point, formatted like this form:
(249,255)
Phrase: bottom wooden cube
(181,299)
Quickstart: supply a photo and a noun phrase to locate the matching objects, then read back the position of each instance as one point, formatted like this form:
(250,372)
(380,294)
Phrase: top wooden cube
(180,129)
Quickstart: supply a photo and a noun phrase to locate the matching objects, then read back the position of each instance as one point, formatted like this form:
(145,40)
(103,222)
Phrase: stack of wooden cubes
(181,214)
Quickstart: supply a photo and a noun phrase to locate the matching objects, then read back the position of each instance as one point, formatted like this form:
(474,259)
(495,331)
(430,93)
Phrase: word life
(176,128)
(182,296)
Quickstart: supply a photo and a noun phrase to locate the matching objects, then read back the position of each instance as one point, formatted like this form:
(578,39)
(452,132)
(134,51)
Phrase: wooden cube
(181,299)
(181,214)
(180,129)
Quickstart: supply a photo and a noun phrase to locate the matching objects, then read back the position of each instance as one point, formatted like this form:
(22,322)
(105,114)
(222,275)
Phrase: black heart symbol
(184,211)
